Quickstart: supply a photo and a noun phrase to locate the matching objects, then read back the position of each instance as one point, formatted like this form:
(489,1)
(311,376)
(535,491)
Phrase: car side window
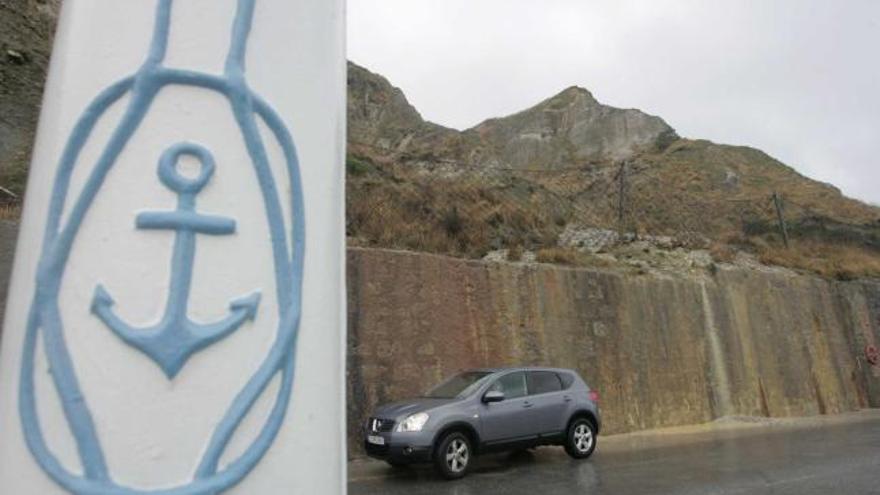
(567,380)
(512,385)
(542,382)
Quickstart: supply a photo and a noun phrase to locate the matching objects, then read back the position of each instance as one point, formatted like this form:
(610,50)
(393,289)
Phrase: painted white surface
(153,430)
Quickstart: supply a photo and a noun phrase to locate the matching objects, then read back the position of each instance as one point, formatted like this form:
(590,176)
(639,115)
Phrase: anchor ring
(176,181)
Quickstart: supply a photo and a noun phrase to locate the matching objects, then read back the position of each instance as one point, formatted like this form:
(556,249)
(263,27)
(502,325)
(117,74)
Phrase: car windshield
(460,385)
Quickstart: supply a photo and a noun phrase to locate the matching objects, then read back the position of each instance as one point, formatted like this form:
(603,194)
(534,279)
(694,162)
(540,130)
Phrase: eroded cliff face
(569,129)
(662,351)
(379,114)
(26,29)
(572,129)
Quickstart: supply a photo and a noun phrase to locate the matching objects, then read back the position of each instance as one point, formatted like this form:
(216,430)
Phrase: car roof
(522,368)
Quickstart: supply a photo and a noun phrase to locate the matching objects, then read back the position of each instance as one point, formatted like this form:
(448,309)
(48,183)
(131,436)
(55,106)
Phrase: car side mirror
(493,396)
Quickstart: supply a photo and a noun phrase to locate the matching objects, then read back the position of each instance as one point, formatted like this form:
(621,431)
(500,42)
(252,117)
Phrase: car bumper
(400,447)
(399,453)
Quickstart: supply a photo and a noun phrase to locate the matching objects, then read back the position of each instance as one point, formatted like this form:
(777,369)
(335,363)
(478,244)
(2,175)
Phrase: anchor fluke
(102,303)
(101,299)
(172,341)
(247,304)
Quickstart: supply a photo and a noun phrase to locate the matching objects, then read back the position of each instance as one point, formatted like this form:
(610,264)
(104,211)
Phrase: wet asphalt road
(824,458)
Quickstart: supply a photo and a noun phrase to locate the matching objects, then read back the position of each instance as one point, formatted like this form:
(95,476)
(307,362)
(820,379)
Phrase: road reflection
(839,458)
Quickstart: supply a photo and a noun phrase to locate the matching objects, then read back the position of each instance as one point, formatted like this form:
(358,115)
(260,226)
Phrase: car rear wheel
(581,440)
(453,455)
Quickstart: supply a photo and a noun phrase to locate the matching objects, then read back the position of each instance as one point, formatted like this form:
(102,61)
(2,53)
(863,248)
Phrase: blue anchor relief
(176,337)
(172,341)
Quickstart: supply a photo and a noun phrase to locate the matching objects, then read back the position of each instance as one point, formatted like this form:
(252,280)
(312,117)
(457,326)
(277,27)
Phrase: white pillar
(176,318)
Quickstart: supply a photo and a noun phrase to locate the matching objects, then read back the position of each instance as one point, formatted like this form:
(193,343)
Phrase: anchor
(172,341)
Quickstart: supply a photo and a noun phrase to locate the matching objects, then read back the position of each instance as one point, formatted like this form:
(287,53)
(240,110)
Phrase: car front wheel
(453,455)
(581,440)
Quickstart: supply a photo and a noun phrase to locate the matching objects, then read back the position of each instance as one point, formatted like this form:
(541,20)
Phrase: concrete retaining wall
(661,351)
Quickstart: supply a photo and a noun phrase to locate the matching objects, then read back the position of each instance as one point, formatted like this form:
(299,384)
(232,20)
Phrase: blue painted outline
(45,314)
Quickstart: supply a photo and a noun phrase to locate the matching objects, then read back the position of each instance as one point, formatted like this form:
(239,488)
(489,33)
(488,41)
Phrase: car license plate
(376,440)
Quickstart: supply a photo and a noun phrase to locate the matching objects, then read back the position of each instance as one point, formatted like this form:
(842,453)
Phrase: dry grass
(400,207)
(841,262)
(830,258)
(561,256)
(722,253)
(515,253)
(11,212)
(570,257)
(712,189)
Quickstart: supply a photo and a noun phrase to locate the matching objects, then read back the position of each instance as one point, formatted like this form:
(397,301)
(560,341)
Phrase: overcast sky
(799,79)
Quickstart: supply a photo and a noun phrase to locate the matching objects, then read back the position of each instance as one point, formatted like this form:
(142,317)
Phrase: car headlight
(414,422)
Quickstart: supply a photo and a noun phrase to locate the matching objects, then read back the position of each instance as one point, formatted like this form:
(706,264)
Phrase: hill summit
(569,129)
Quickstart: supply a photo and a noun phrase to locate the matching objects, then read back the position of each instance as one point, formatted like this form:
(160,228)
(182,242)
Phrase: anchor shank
(181,277)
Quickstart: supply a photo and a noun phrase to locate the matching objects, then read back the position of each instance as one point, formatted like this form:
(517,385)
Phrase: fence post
(783,228)
(621,196)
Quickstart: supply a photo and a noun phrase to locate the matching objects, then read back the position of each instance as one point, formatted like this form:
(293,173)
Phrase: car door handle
(527,404)
(567,398)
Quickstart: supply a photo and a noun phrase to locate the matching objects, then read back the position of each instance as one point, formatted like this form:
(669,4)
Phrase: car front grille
(380,425)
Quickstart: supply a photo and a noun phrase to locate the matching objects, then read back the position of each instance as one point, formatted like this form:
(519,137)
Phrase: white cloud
(799,79)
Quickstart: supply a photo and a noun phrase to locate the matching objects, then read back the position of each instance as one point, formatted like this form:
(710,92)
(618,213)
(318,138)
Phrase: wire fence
(458,208)
(447,206)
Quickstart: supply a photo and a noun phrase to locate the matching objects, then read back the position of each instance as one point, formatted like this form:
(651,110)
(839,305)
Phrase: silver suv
(487,410)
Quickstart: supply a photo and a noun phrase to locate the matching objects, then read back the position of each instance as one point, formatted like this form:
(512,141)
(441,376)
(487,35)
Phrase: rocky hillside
(574,131)
(529,181)
(26,30)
